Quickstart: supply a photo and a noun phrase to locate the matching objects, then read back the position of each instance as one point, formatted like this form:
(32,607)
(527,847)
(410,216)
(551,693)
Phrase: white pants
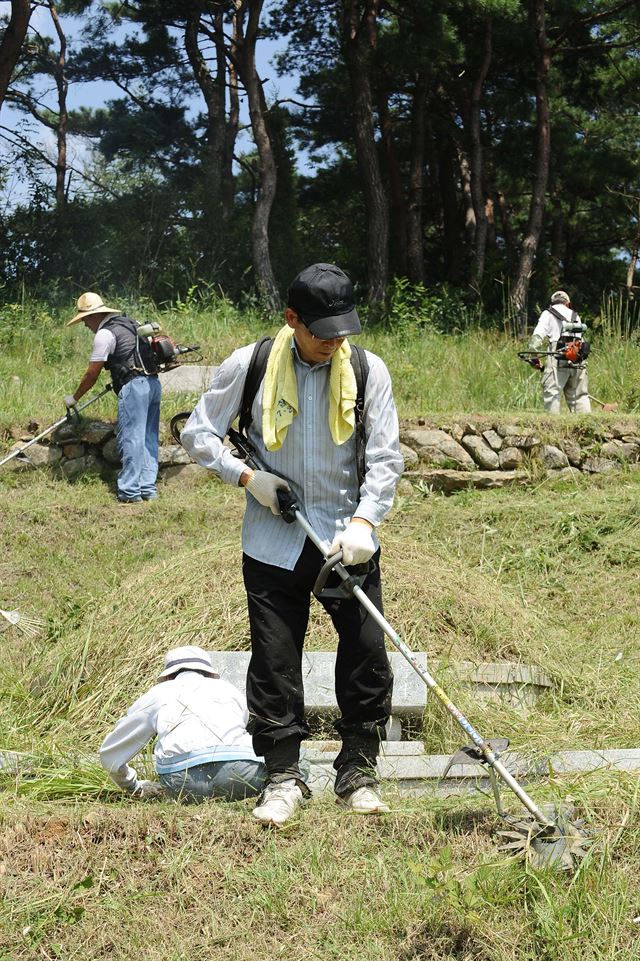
(570,381)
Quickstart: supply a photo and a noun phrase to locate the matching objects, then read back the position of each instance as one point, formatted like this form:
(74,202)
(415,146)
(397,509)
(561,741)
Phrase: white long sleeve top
(196,719)
(322,475)
(549,327)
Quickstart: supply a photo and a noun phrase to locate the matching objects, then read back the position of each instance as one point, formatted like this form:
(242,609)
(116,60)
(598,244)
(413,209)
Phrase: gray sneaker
(278,802)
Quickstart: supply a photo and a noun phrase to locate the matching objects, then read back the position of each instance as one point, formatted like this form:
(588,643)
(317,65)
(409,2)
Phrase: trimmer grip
(287,504)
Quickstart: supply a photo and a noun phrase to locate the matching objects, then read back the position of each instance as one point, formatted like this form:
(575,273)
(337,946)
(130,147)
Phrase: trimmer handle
(288,505)
(356,576)
(325,570)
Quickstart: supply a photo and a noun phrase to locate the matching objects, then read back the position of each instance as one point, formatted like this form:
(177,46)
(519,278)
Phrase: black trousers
(278,603)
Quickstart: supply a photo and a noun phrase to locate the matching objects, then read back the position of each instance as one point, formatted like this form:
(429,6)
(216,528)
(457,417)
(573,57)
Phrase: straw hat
(89,304)
(188,658)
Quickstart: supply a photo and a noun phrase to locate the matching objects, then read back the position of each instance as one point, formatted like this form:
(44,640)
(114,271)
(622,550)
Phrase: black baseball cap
(322,296)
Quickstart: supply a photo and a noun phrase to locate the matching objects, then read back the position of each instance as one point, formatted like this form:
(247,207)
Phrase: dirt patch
(444,943)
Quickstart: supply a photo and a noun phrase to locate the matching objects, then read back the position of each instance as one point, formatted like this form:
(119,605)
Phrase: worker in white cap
(134,374)
(202,747)
(559,325)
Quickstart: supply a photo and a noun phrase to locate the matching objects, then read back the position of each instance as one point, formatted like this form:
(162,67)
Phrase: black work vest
(132,355)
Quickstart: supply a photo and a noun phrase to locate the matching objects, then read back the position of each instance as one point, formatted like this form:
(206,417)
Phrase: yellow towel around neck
(280,395)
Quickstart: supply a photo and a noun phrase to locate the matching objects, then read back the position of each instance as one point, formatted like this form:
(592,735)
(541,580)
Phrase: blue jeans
(228,780)
(138,427)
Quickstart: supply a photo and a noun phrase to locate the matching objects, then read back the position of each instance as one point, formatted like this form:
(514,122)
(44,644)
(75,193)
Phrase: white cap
(188,658)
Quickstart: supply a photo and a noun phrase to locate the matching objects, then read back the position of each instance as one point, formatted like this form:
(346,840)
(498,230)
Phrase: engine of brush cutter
(574,353)
(572,350)
(165,352)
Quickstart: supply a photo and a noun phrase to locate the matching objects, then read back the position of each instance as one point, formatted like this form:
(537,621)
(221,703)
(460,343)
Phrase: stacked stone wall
(482,453)
(447,455)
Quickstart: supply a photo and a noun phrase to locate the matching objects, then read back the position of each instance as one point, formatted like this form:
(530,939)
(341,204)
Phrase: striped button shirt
(321,474)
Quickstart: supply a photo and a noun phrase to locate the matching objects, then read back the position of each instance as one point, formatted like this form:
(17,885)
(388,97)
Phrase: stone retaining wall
(484,454)
(475,452)
(89,447)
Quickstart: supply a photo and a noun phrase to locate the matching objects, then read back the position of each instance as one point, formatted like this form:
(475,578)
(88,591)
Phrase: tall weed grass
(474,369)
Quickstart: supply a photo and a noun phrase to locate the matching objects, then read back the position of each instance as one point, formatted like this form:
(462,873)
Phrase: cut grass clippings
(426,882)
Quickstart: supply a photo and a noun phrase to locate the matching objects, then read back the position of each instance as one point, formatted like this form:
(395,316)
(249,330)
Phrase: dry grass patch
(426,882)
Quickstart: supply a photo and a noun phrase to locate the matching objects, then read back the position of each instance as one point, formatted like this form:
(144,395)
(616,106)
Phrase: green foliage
(440,309)
(153,205)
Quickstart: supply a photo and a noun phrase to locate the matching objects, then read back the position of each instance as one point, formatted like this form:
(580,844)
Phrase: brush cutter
(546,836)
(69,416)
(572,354)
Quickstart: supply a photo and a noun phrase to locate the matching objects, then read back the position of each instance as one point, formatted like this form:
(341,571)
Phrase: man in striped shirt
(280,564)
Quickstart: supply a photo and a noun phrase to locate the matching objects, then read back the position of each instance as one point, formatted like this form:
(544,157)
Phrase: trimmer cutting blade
(559,846)
(548,836)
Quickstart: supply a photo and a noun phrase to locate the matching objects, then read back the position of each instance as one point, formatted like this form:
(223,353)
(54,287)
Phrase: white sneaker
(278,803)
(365,801)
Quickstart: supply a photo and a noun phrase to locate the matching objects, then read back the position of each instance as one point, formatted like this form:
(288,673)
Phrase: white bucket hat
(188,659)
(88,304)
(560,297)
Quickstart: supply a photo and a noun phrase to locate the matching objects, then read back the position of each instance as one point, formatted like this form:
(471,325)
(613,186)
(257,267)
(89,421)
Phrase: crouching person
(202,749)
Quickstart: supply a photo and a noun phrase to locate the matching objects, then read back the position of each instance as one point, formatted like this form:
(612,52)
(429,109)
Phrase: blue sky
(95,95)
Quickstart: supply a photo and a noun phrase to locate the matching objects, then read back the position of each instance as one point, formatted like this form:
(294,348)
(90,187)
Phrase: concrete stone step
(187,379)
(406,770)
(414,774)
(319,750)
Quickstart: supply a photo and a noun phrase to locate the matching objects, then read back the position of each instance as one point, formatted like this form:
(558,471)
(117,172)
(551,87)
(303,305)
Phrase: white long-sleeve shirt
(322,475)
(196,719)
(550,328)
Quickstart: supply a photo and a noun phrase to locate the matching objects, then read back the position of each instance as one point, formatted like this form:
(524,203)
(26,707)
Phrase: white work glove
(356,544)
(148,789)
(70,401)
(264,487)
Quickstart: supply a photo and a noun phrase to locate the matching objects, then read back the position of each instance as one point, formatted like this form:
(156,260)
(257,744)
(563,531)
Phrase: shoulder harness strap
(255,375)
(557,314)
(361,370)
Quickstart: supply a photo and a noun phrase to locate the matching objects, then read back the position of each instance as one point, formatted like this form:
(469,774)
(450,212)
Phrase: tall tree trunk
(398,204)
(231,130)
(467,200)
(415,252)
(213,89)
(359,34)
(634,252)
(265,280)
(12,41)
(631,272)
(477,166)
(557,244)
(543,149)
(62,86)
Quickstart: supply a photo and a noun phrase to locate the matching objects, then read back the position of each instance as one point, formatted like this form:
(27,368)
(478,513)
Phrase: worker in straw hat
(134,374)
(202,749)
(557,325)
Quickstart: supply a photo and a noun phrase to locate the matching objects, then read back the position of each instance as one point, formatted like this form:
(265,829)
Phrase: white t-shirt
(104,344)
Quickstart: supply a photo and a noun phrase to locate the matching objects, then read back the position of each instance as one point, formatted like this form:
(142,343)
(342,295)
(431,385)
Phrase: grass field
(548,575)
(475,371)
